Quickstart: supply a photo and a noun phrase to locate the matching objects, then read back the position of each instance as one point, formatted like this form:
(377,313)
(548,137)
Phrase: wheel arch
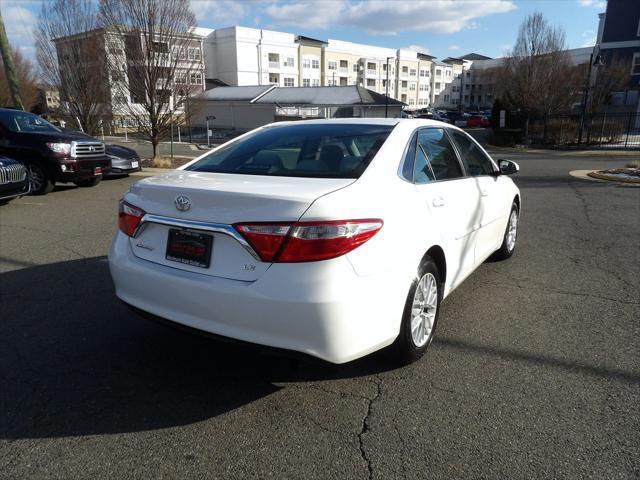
(516,200)
(437,254)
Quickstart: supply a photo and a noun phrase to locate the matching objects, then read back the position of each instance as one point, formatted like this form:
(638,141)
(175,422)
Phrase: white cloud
(387,17)
(599,4)
(453,48)
(417,48)
(19,23)
(589,38)
(220,13)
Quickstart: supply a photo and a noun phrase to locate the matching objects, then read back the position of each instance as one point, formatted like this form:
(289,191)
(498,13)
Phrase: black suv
(49,153)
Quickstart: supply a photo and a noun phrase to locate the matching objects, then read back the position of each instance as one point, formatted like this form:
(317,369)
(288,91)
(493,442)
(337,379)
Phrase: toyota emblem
(182,203)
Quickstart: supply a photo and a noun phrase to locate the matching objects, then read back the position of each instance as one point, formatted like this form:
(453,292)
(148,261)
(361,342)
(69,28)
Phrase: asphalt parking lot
(534,372)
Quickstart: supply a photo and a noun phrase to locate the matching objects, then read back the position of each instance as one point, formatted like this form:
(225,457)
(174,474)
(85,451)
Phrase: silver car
(123,160)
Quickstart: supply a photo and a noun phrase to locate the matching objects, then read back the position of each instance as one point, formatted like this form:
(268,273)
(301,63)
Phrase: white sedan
(334,238)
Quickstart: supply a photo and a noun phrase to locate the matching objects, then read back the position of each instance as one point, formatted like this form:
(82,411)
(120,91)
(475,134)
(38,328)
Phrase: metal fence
(605,130)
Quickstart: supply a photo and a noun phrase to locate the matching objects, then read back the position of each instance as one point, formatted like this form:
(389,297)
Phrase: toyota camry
(334,238)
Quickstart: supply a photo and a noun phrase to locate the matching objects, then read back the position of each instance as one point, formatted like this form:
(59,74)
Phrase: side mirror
(507,167)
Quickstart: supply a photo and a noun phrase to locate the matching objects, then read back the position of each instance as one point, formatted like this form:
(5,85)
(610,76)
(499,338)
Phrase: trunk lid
(222,199)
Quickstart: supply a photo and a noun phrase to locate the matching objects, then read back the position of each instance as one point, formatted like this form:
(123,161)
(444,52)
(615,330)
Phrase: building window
(333,65)
(355,67)
(288,82)
(306,63)
(194,54)
(405,70)
(315,82)
(635,64)
(371,66)
(343,81)
(344,64)
(306,82)
(274,60)
(181,78)
(424,73)
(289,62)
(438,73)
(437,85)
(195,78)
(412,102)
(315,63)
(412,87)
(274,78)
(412,72)
(371,82)
(404,84)
(403,98)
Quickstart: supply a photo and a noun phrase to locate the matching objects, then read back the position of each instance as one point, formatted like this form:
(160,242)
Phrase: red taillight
(129,218)
(307,241)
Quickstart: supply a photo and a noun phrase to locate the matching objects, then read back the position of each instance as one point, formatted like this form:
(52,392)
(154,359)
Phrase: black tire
(407,350)
(90,182)
(41,182)
(506,249)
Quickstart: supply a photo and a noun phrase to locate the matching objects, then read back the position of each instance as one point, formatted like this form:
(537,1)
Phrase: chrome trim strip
(196,225)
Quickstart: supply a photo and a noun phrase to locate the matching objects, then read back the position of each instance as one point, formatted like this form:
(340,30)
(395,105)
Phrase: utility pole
(9,67)
(585,95)
(386,94)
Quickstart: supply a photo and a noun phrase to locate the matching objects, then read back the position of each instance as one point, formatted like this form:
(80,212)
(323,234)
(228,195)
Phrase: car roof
(366,121)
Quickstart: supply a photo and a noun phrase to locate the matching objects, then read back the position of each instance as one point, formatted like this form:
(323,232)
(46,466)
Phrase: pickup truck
(49,153)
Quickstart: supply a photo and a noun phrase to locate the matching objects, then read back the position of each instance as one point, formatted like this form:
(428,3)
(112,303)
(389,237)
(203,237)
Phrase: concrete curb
(586,175)
(608,178)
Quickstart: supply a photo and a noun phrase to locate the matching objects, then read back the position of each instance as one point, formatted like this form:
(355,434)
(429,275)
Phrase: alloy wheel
(36,176)
(424,309)
(512,230)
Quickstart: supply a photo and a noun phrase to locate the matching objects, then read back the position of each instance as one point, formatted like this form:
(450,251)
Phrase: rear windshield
(335,150)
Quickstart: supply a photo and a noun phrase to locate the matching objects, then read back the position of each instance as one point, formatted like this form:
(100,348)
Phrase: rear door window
(334,150)
(440,153)
(474,159)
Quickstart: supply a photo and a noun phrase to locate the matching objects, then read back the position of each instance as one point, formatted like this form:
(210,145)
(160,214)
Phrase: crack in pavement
(365,426)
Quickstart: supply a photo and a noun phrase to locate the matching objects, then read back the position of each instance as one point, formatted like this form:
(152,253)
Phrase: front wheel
(90,182)
(420,313)
(41,182)
(510,235)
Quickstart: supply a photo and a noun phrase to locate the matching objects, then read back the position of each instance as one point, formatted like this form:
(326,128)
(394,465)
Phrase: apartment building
(96,49)
(619,40)
(240,56)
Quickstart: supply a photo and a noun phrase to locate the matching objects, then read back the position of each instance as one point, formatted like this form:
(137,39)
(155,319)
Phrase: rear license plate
(190,248)
(134,164)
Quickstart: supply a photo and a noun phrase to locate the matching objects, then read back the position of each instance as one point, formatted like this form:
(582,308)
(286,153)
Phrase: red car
(478,121)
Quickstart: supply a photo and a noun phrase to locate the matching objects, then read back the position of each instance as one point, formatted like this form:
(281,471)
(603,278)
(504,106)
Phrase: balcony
(372,73)
(274,64)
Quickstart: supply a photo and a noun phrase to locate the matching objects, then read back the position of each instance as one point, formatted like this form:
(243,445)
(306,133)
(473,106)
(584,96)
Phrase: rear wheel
(510,235)
(90,182)
(420,313)
(41,182)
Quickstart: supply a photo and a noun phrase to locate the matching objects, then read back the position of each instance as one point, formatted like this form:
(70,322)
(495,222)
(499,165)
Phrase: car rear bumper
(323,309)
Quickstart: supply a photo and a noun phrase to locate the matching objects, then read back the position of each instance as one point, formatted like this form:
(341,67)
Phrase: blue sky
(439,27)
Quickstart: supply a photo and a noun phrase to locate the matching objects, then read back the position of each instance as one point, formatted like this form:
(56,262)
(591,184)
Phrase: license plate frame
(189,247)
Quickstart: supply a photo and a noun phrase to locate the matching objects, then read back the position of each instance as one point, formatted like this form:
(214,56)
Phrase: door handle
(438,202)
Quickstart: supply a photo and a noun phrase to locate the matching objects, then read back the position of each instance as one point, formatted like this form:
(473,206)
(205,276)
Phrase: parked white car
(334,238)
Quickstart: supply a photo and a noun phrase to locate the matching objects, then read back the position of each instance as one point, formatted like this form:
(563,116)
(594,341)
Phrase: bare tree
(533,77)
(606,79)
(155,63)
(26,80)
(68,53)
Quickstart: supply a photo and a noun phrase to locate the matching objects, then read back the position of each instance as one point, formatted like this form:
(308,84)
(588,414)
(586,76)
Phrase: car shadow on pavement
(75,361)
